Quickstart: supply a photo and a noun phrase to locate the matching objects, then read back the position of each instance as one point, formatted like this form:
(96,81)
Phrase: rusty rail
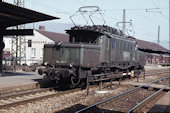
(124,93)
(139,104)
(58,93)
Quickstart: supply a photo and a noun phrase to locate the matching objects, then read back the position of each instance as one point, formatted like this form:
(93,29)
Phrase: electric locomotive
(98,49)
(95,49)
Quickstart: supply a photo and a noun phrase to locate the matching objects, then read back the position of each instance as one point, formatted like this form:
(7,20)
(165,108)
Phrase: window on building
(41,52)
(29,43)
(33,52)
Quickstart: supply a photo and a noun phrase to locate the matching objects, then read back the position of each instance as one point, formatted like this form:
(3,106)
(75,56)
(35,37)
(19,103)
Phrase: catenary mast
(18,46)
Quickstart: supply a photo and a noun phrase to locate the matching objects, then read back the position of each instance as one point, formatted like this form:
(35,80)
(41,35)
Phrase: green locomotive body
(98,49)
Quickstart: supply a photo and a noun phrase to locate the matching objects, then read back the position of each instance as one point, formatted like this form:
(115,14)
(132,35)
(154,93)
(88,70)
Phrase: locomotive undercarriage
(76,75)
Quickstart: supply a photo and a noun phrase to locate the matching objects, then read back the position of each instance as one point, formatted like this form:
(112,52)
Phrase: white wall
(34,54)
(7,42)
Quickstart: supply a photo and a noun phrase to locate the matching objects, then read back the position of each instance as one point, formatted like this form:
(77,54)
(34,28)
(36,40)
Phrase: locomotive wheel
(75,80)
(40,71)
(52,75)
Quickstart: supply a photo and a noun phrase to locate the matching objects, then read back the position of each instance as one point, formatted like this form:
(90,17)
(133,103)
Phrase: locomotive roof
(98,30)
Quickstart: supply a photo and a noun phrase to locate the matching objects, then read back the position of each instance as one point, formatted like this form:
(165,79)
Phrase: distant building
(154,53)
(35,45)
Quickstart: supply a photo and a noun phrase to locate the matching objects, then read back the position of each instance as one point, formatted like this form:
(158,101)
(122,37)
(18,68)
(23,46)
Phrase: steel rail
(140,103)
(38,98)
(162,72)
(5,96)
(121,94)
(58,93)
(157,70)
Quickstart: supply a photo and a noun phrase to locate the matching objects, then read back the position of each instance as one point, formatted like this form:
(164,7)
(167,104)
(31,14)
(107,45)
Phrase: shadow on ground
(77,107)
(160,109)
(16,74)
(45,83)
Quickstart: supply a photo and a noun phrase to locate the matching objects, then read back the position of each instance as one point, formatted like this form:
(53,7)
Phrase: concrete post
(119,80)
(110,83)
(144,74)
(100,85)
(88,82)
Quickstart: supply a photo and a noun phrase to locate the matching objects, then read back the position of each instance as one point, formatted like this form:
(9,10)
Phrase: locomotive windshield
(84,36)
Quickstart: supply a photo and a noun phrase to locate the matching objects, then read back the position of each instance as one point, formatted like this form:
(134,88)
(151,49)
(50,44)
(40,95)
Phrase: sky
(145,24)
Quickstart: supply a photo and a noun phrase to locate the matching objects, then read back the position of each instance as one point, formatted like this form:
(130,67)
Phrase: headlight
(45,63)
(71,65)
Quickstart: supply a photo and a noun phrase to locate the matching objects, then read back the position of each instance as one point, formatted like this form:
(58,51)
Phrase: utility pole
(158,34)
(18,48)
(124,22)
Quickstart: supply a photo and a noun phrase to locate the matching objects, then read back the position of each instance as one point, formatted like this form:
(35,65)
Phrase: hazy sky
(144,23)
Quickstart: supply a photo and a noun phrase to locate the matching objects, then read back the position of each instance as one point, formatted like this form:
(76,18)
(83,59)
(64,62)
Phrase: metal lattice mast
(18,48)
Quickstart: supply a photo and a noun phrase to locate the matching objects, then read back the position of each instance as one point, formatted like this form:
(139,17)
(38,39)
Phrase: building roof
(144,45)
(56,37)
(11,15)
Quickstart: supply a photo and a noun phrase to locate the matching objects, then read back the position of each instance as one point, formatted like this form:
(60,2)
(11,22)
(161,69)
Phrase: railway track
(130,101)
(150,73)
(157,70)
(12,100)
(159,73)
(143,105)
(20,98)
(164,82)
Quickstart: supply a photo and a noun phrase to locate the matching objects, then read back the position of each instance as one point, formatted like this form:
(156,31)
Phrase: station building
(154,53)
(34,45)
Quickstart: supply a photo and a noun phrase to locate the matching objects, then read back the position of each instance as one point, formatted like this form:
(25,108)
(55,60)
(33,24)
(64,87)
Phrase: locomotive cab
(84,36)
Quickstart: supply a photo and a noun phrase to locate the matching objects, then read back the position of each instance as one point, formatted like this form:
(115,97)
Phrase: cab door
(105,48)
